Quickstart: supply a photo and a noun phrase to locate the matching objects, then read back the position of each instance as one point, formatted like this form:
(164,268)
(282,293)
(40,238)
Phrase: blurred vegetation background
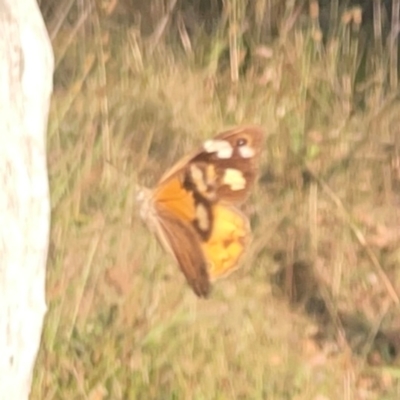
(314,311)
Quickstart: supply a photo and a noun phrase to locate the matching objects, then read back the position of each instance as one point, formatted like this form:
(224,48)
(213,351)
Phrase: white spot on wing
(234,179)
(246,151)
(202,217)
(197,176)
(223,148)
(196,173)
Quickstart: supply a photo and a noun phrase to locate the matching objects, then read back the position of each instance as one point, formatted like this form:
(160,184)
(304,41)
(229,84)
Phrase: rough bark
(26,69)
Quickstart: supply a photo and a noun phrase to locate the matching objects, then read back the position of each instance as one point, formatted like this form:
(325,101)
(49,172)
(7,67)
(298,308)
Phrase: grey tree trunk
(26,71)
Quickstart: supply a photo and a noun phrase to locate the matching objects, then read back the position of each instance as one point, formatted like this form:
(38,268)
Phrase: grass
(122,323)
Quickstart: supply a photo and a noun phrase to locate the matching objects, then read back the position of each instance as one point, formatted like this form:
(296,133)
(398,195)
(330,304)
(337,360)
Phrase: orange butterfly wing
(228,241)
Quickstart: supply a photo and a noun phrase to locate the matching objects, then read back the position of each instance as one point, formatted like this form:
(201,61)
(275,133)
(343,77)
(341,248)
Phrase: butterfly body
(193,208)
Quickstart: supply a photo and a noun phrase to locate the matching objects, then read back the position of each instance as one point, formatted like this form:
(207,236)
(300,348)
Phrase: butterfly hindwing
(228,240)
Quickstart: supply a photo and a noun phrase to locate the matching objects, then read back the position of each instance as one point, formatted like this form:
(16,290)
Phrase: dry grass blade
(184,36)
(233,39)
(85,275)
(62,14)
(394,43)
(102,57)
(72,35)
(155,37)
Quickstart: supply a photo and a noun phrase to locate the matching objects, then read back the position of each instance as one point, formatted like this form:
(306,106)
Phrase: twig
(361,239)
(159,30)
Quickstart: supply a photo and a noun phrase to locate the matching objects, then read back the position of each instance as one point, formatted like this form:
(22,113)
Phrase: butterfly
(193,210)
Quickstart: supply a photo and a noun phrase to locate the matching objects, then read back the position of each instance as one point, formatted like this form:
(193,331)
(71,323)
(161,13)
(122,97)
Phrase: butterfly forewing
(216,153)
